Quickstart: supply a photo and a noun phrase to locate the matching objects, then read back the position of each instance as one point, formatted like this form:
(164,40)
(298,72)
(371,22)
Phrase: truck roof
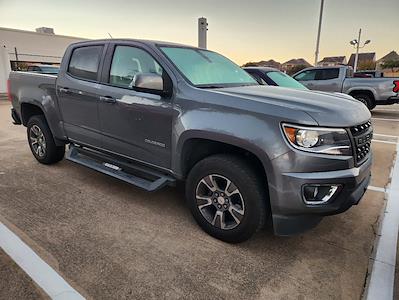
(141,41)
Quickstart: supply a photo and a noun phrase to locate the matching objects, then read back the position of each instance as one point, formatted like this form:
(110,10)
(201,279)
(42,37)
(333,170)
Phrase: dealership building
(21,48)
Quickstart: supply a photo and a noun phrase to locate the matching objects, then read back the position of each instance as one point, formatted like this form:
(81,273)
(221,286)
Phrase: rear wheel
(226,198)
(366,100)
(41,141)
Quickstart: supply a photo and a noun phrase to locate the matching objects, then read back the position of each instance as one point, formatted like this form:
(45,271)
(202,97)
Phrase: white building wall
(5,69)
(32,47)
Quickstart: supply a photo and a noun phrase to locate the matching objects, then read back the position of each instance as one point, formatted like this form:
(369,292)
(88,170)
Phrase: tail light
(396,86)
(9,89)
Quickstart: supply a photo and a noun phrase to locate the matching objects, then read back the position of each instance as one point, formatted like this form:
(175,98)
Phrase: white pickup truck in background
(370,91)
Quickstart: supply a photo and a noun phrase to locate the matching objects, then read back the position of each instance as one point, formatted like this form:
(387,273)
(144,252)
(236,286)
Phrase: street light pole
(316,59)
(357,51)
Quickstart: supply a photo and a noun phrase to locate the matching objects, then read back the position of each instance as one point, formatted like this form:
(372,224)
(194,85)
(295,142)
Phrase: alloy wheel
(37,141)
(220,201)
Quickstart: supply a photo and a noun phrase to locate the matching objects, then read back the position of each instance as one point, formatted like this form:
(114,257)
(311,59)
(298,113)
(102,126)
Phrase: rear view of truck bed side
(33,94)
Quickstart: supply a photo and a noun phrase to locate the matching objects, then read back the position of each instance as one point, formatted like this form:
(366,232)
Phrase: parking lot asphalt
(110,240)
(15,284)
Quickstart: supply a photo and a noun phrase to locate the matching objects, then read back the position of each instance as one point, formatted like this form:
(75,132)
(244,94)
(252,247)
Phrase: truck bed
(30,86)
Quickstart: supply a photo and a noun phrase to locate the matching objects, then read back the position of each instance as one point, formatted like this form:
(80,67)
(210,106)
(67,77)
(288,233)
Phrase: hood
(327,109)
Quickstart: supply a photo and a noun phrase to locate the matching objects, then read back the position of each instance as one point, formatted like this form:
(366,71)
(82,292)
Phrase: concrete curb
(382,279)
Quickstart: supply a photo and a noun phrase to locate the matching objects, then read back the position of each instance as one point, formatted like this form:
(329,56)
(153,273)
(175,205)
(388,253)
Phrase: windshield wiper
(210,86)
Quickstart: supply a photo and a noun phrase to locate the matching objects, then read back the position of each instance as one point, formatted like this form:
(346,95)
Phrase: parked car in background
(151,113)
(370,91)
(43,69)
(272,76)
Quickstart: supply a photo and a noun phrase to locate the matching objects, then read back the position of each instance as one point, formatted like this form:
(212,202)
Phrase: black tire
(366,100)
(51,152)
(252,190)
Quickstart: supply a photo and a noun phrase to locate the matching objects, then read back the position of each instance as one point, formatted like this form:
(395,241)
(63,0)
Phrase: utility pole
(202,32)
(357,51)
(316,59)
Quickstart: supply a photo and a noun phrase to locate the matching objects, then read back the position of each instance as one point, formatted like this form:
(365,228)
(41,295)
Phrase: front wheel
(366,100)
(227,198)
(41,141)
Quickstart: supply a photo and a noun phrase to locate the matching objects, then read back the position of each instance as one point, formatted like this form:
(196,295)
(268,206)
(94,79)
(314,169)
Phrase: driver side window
(129,61)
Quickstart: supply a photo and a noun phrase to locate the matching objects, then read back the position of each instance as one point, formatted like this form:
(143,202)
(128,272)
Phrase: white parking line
(40,272)
(376,189)
(386,135)
(384,142)
(388,110)
(382,276)
(385,119)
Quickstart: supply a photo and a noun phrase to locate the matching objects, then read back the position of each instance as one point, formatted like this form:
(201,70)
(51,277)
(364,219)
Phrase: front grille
(362,135)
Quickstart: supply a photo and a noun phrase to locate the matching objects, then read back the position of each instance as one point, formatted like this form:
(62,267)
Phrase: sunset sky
(245,31)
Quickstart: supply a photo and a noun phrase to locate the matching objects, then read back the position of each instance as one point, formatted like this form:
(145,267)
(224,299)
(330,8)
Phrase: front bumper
(290,213)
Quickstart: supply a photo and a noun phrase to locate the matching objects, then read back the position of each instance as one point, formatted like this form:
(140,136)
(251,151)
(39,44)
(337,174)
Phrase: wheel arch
(199,145)
(359,91)
(29,110)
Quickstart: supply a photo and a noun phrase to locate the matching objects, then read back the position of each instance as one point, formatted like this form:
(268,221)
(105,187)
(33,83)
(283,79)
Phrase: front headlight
(334,141)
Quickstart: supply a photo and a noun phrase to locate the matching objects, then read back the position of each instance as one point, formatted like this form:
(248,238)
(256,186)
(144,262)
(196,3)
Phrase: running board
(134,174)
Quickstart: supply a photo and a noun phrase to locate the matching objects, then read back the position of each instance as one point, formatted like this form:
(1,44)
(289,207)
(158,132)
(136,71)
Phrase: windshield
(284,80)
(204,68)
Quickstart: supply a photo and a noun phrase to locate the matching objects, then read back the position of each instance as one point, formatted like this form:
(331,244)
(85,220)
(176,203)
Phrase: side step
(134,174)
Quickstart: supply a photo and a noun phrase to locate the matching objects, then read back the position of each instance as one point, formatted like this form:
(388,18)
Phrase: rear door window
(326,74)
(85,62)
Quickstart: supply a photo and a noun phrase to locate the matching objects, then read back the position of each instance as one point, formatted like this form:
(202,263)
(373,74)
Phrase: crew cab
(370,91)
(152,113)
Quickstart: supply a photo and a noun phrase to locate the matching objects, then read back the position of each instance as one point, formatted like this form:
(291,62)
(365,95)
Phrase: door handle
(64,90)
(107,99)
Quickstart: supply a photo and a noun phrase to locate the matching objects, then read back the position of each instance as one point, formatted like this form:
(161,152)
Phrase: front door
(135,124)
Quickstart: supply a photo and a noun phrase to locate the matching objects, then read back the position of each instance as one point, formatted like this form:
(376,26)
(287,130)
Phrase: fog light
(319,194)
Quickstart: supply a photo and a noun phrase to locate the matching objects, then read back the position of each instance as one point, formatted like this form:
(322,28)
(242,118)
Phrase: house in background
(332,61)
(295,65)
(269,63)
(364,59)
(392,56)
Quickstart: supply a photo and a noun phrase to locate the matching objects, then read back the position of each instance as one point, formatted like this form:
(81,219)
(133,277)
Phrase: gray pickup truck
(370,91)
(153,113)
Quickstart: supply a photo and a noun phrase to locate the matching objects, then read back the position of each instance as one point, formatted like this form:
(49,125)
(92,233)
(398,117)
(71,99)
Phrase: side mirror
(147,81)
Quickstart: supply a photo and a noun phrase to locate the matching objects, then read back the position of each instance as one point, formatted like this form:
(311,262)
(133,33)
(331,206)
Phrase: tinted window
(349,73)
(284,80)
(326,74)
(129,61)
(85,61)
(257,77)
(306,75)
(204,68)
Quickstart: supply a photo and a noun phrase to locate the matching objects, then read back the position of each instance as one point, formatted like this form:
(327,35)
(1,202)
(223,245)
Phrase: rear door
(77,90)
(328,80)
(134,124)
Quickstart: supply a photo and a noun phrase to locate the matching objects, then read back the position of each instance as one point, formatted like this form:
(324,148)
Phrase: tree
(390,64)
(366,65)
